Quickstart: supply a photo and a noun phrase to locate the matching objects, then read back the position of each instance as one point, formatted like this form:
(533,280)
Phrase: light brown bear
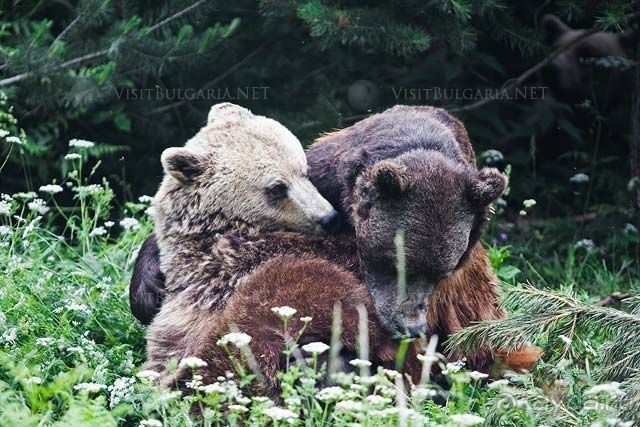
(208,189)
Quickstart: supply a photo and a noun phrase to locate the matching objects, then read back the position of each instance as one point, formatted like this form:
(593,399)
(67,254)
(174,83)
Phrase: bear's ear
(227,110)
(390,178)
(182,164)
(553,28)
(487,186)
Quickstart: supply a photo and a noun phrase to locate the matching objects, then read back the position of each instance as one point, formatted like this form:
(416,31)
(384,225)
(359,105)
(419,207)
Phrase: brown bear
(444,295)
(269,172)
(570,74)
(409,169)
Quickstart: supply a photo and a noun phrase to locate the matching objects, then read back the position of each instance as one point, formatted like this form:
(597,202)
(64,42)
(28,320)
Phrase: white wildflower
(454,367)
(4,133)
(121,390)
(423,393)
(25,196)
(579,178)
(5,208)
(359,363)
(9,336)
(5,230)
(529,203)
(79,307)
(38,205)
(98,231)
(33,380)
(130,224)
(630,229)
(315,347)
(145,199)
(75,349)
(72,156)
(522,213)
(466,419)
(612,389)
(492,156)
(192,362)
(89,190)
(239,339)
(148,374)
(285,312)
(475,375)
(329,394)
(242,400)
(109,224)
(51,188)
(306,319)
(45,341)
(81,143)
(90,387)
(150,423)
(391,373)
(586,244)
(238,408)
(279,414)
(14,140)
(349,406)
(376,400)
(213,388)
(293,401)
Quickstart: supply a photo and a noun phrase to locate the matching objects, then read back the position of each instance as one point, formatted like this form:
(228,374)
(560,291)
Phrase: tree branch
(514,82)
(79,60)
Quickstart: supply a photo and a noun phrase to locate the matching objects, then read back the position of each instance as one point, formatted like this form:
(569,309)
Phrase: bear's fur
(239,171)
(314,286)
(431,190)
(408,168)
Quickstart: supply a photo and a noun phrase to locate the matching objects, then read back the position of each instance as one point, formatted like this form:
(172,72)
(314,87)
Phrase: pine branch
(98,54)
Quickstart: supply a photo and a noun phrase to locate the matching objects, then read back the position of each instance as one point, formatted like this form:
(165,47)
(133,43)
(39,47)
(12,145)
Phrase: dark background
(75,59)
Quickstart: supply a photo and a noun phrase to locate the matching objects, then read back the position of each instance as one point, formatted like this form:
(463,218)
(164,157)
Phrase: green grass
(70,350)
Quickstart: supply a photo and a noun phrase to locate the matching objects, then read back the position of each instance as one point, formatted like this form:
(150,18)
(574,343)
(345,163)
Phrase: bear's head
(440,206)
(241,170)
(569,75)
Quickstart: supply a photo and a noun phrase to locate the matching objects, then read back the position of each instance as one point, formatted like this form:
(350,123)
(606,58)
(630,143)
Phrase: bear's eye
(278,190)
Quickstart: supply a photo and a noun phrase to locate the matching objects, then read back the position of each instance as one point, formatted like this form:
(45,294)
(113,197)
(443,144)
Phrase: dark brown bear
(570,74)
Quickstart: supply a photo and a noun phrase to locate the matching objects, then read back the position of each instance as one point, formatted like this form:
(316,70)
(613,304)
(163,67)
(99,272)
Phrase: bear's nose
(330,222)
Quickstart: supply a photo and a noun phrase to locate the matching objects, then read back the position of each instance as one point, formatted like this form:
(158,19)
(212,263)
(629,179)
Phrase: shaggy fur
(312,274)
(236,153)
(417,176)
(315,286)
(409,169)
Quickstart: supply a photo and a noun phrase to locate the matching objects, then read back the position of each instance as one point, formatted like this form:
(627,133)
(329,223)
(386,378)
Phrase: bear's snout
(330,223)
